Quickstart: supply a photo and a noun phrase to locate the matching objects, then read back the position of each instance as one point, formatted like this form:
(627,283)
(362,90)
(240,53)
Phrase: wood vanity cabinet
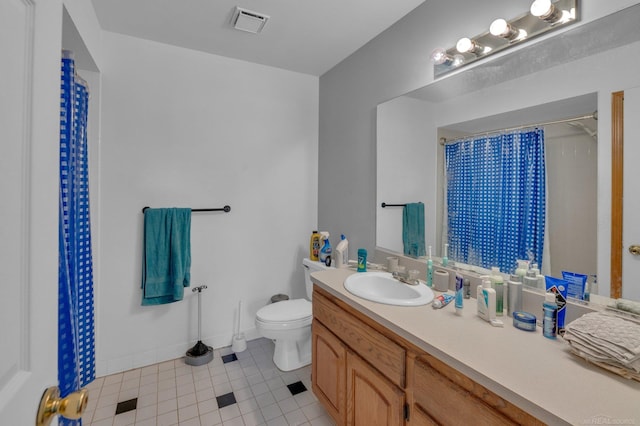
(365,375)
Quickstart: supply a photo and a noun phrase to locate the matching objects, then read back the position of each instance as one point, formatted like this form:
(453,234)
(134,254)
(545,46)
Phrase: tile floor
(244,389)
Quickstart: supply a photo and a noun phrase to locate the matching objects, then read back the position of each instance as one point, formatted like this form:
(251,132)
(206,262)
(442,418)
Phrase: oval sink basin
(381,287)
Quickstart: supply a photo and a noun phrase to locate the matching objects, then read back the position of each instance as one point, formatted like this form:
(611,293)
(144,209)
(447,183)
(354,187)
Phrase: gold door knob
(70,407)
(634,250)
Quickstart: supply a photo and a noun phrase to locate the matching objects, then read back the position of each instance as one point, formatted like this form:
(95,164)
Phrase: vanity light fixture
(541,17)
(501,28)
(466,45)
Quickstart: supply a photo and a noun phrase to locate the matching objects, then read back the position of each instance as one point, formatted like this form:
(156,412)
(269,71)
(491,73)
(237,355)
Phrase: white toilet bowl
(289,324)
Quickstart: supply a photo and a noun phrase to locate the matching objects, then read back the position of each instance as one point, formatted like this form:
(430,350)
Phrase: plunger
(200,353)
(239,344)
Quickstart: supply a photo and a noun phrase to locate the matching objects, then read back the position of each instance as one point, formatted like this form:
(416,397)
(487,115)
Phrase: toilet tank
(311,266)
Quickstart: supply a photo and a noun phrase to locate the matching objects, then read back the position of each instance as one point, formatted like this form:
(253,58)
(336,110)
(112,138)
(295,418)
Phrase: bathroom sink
(381,287)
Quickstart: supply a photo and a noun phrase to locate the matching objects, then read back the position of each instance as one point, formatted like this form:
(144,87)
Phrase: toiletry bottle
(445,258)
(521,270)
(514,303)
(498,285)
(549,316)
(459,293)
(486,301)
(342,252)
(429,270)
(362,260)
(467,288)
(325,251)
(530,279)
(314,246)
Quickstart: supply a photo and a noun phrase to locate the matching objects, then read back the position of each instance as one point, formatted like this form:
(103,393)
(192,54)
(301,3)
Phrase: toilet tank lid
(315,265)
(288,310)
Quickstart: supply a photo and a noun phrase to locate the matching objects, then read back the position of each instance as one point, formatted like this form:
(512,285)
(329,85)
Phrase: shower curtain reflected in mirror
(495,190)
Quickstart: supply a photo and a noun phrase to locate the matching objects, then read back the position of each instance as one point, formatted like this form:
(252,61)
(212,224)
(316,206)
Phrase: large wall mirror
(508,93)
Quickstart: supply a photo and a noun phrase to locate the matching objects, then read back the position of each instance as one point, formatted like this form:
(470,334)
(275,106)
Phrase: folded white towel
(608,340)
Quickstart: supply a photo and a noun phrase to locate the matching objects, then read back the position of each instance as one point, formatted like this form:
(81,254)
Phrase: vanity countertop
(537,374)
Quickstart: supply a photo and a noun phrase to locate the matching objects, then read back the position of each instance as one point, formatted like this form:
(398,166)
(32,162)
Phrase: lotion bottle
(498,285)
(486,301)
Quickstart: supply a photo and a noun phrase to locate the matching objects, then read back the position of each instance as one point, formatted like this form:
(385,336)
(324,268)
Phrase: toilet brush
(239,344)
(200,353)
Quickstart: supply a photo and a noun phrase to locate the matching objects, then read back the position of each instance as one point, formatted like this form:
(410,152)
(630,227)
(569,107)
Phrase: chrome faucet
(404,278)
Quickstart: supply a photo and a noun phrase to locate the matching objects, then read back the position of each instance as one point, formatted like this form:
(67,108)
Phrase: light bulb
(541,7)
(439,56)
(546,11)
(457,60)
(501,28)
(466,45)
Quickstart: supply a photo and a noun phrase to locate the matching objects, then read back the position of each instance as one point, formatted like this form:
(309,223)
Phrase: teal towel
(166,255)
(413,229)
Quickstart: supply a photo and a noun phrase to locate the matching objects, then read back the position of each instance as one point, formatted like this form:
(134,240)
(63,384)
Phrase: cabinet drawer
(379,351)
(452,398)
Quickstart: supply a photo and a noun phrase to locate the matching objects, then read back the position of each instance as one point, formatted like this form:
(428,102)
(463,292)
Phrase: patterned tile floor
(243,389)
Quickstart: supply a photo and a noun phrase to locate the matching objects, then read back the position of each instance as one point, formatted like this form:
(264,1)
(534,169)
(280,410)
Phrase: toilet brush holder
(200,353)
(238,344)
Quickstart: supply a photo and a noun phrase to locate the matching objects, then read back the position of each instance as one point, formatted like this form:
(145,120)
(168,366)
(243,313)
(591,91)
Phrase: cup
(414,274)
(392,264)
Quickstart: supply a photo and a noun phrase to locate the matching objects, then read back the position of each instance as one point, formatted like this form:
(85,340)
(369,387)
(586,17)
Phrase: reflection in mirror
(569,167)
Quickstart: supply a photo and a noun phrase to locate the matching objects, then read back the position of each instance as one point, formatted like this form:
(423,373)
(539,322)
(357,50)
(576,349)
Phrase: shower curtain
(76,339)
(495,191)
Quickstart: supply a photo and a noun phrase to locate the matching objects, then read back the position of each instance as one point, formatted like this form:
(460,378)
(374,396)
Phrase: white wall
(182,128)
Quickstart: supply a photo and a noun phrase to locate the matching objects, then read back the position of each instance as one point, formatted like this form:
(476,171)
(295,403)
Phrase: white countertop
(536,374)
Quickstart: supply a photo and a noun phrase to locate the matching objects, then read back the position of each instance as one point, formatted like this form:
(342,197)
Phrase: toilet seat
(288,311)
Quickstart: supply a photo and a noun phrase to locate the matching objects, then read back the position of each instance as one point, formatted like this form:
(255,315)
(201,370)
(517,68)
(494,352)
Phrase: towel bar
(225,209)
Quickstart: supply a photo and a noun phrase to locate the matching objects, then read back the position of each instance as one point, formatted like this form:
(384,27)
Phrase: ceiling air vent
(249,21)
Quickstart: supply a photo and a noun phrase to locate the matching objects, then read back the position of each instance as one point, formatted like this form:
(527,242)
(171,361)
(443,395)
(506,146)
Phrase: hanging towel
(166,255)
(413,229)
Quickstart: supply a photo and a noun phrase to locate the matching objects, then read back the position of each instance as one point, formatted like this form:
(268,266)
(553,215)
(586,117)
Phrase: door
(29,123)
(631,196)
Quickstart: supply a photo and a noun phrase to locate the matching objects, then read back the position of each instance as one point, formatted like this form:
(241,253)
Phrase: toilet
(289,324)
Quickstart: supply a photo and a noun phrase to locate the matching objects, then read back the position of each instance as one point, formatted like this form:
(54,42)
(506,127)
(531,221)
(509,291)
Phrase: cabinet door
(328,371)
(371,398)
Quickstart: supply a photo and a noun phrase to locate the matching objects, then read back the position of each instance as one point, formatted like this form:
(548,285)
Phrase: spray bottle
(325,251)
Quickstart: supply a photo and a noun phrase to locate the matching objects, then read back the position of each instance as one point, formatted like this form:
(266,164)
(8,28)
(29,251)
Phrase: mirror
(502,93)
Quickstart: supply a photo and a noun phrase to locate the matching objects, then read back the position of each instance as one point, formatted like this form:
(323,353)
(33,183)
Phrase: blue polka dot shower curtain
(76,339)
(495,189)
